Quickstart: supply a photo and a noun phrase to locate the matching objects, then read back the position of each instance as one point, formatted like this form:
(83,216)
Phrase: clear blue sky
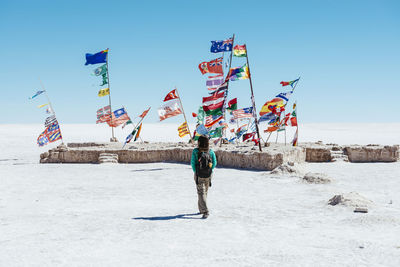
(347,53)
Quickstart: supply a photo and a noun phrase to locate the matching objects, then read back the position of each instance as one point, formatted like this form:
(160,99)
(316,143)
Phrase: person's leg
(202,189)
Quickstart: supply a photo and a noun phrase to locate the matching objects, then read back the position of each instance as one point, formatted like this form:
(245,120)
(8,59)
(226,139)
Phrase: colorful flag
(104,114)
(171,95)
(100,70)
(119,112)
(271,129)
(294,141)
(285,96)
(51,134)
(268,106)
(239,51)
(129,137)
(200,115)
(213,66)
(213,82)
(118,117)
(144,113)
(169,109)
(248,136)
(100,57)
(126,123)
(221,46)
(37,93)
(42,139)
(216,133)
(239,73)
(243,113)
(267,117)
(105,80)
(138,132)
(40,106)
(183,130)
(104,92)
(212,120)
(50,120)
(232,104)
(291,83)
(223,124)
(201,130)
(222,87)
(212,105)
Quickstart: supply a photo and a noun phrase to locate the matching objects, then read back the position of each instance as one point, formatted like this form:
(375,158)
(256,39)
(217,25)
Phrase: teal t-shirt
(195,158)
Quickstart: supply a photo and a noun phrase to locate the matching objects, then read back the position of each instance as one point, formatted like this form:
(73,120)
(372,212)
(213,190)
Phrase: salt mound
(316,178)
(289,168)
(352,199)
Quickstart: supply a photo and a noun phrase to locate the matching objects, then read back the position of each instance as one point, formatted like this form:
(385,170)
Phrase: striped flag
(144,113)
(285,96)
(103,114)
(50,120)
(212,105)
(169,109)
(213,82)
(219,89)
(243,113)
(212,120)
(183,130)
(118,117)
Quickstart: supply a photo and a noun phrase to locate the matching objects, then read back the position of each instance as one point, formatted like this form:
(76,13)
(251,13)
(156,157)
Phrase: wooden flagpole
(287,103)
(183,111)
(51,107)
(113,139)
(252,99)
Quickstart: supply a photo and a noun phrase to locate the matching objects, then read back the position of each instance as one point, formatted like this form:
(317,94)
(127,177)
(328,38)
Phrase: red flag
(284,83)
(248,136)
(233,130)
(213,66)
(144,113)
(293,121)
(194,115)
(271,129)
(171,95)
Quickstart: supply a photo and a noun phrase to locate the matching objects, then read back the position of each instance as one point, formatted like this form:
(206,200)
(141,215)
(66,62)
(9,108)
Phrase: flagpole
(51,107)
(113,139)
(183,111)
(252,99)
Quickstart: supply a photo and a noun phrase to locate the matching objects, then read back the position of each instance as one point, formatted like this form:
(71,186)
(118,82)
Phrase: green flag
(200,115)
(216,133)
(105,81)
(100,70)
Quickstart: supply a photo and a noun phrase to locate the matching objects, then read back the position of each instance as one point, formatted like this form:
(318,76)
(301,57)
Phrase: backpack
(204,165)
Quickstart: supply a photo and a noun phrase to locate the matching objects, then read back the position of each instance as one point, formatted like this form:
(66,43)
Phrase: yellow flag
(104,92)
(40,106)
(183,130)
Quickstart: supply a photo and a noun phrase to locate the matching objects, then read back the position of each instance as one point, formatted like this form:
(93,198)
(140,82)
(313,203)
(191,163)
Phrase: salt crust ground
(134,215)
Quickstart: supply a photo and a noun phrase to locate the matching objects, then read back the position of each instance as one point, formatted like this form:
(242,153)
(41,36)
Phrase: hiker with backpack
(203,163)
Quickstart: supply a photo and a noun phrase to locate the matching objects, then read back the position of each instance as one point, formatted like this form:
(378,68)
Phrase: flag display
(213,66)
(215,133)
(243,113)
(201,130)
(232,104)
(118,117)
(267,117)
(212,120)
(239,73)
(50,120)
(100,70)
(291,83)
(144,113)
(37,93)
(222,87)
(269,105)
(104,79)
(51,134)
(271,129)
(183,130)
(138,132)
(171,95)
(212,105)
(104,92)
(40,106)
(285,96)
(239,51)
(100,57)
(221,46)
(200,115)
(248,136)
(42,139)
(103,114)
(213,82)
(169,109)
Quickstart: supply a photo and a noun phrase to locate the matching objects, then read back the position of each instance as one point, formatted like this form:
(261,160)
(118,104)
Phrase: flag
(290,121)
(100,70)
(105,80)
(216,133)
(239,73)
(213,66)
(42,139)
(54,136)
(171,95)
(169,109)
(194,115)
(104,92)
(248,136)
(212,105)
(291,83)
(285,96)
(294,141)
(212,120)
(103,114)
(222,87)
(40,106)
(213,82)
(50,120)
(200,115)
(49,110)
(126,123)
(268,106)
(239,51)
(183,130)
(118,117)
(100,57)
(243,113)
(129,137)
(51,134)
(221,46)
(271,129)
(138,132)
(294,106)
(232,104)
(201,130)
(223,124)
(144,113)
(37,93)
(267,117)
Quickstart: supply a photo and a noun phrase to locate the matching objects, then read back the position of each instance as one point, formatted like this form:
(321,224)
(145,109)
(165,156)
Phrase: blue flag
(201,129)
(119,112)
(100,57)
(221,46)
(285,96)
(37,93)
(267,117)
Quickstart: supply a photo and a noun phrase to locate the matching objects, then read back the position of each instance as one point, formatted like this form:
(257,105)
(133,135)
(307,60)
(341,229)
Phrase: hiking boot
(205,216)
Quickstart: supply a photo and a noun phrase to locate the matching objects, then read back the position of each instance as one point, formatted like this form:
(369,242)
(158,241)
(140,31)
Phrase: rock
(361,209)
(287,169)
(372,153)
(351,199)
(44,155)
(318,154)
(317,178)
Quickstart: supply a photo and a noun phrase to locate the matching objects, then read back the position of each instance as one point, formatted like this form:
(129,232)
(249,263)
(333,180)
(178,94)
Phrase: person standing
(203,162)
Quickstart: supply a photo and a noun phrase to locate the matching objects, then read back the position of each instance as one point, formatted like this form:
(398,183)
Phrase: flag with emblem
(213,66)
(100,70)
(118,117)
(183,130)
(103,114)
(169,109)
(104,92)
(221,46)
(171,95)
(243,113)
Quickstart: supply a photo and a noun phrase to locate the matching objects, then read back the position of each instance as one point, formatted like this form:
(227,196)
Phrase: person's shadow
(164,218)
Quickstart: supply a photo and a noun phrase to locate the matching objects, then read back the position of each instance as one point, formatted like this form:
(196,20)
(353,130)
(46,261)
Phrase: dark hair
(203,142)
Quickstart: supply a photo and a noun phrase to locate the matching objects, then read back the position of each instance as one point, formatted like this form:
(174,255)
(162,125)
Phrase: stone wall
(372,153)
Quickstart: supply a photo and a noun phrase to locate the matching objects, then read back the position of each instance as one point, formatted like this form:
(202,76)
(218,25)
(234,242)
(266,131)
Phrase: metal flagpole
(113,139)
(183,111)
(51,107)
(252,99)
